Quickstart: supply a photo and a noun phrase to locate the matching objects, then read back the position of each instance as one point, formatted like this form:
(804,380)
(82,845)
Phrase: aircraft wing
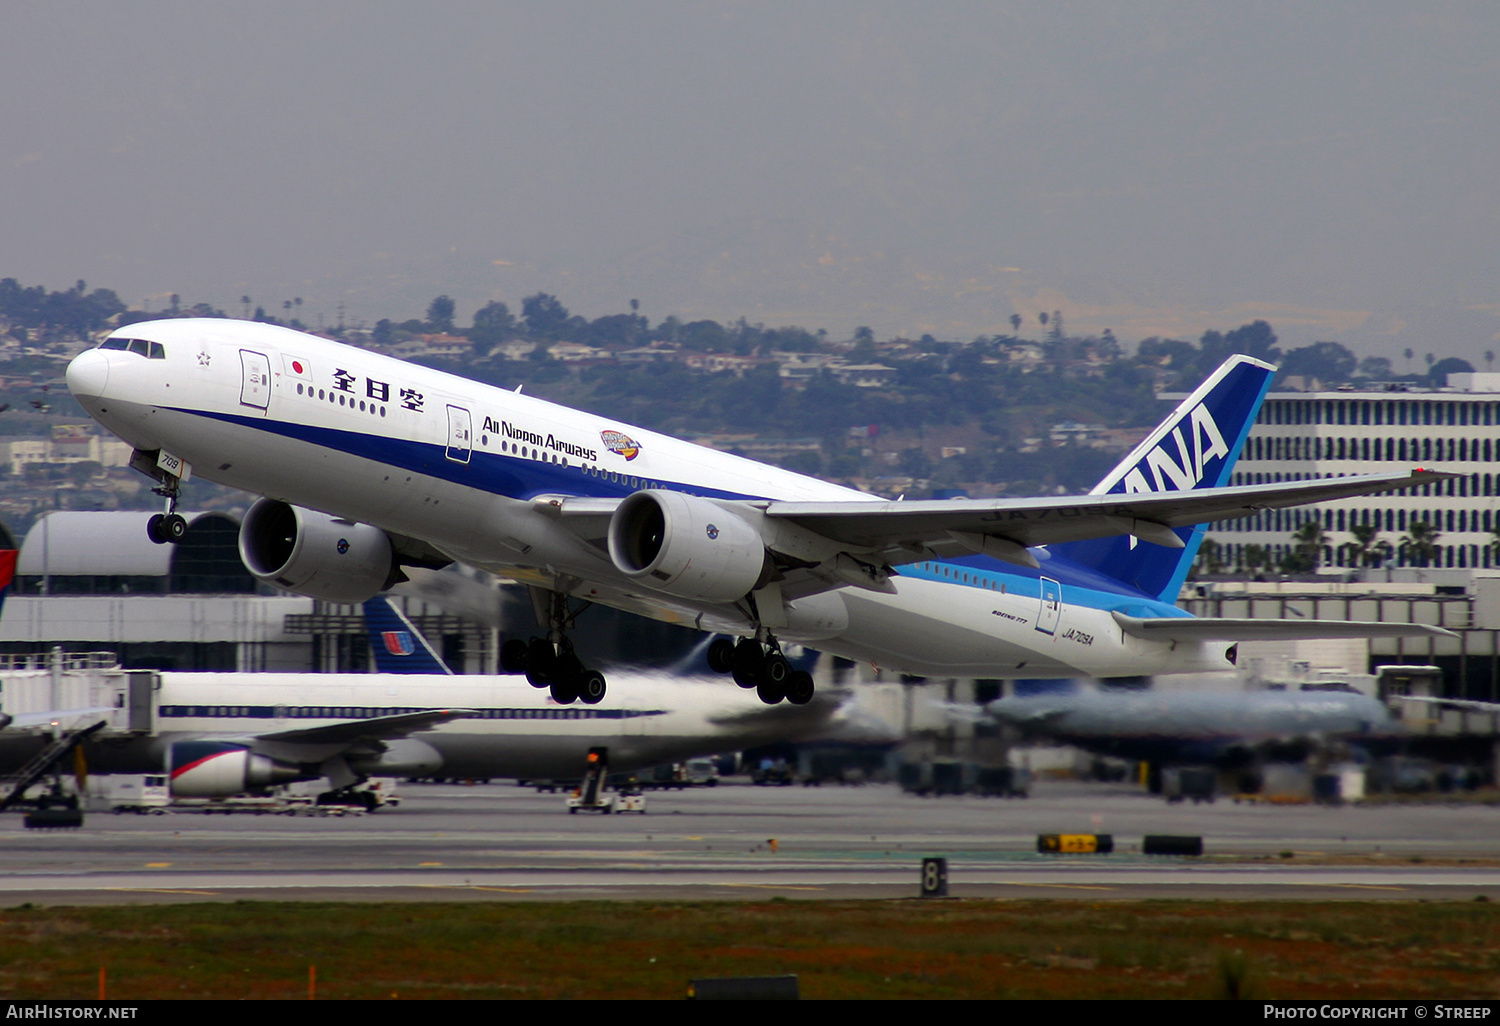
(906,532)
(1195,628)
(883,534)
(376,728)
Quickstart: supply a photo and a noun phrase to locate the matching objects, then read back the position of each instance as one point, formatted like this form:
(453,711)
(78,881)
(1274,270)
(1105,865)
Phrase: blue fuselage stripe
(517,477)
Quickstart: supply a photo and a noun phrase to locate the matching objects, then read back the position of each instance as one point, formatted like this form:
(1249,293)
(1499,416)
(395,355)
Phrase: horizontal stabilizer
(1193,628)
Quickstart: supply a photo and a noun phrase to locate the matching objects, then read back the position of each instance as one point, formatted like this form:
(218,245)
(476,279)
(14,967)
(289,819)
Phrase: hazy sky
(1152,167)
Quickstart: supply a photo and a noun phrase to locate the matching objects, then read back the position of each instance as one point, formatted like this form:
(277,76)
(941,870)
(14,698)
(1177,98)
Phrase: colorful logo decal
(398,643)
(621,444)
(713,532)
(343,546)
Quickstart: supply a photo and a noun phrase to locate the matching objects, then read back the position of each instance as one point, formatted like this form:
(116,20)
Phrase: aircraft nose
(88,374)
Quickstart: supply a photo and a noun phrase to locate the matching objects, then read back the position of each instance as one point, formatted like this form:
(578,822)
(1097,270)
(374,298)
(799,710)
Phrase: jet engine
(686,546)
(218,769)
(315,554)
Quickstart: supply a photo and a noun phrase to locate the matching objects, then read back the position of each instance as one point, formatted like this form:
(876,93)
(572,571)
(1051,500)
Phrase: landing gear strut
(761,665)
(168,526)
(550,662)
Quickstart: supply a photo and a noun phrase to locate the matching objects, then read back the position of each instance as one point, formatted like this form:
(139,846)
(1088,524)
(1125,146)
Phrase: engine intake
(686,546)
(314,554)
(218,769)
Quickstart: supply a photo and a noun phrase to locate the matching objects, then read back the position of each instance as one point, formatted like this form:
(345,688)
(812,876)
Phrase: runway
(737,842)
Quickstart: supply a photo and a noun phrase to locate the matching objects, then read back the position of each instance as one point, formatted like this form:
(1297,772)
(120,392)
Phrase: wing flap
(1193,629)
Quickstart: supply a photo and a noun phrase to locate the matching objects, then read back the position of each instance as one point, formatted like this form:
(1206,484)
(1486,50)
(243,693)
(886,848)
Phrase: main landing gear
(760,665)
(551,663)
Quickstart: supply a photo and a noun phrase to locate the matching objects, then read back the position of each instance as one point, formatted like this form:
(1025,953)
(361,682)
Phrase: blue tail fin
(1195,447)
(397,646)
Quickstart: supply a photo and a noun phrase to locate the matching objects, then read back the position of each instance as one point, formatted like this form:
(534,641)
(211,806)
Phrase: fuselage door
(460,434)
(255,383)
(1051,611)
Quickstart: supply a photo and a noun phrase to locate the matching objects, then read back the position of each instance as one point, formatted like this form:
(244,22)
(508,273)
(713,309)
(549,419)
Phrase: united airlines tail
(398,647)
(1195,447)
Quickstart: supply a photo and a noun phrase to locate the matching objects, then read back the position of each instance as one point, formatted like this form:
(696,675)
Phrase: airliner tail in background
(395,644)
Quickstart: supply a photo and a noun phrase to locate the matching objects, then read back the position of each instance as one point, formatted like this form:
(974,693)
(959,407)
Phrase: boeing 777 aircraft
(369,464)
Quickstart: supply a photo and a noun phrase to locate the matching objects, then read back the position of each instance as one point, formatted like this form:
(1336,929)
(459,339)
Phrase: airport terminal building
(93,582)
(1307,435)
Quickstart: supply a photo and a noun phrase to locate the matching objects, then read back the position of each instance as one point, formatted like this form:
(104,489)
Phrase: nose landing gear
(169,526)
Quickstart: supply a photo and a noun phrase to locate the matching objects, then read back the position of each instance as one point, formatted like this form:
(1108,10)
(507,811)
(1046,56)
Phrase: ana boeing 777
(368,464)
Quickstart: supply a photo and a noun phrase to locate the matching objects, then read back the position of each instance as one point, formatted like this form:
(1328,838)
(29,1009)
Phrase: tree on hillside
(440,316)
(493,326)
(1326,361)
(545,317)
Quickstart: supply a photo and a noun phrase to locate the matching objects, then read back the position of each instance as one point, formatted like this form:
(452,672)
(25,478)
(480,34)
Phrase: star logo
(203,358)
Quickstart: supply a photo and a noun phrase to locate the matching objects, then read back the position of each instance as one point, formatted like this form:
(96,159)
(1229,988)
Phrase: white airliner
(368,463)
(223,734)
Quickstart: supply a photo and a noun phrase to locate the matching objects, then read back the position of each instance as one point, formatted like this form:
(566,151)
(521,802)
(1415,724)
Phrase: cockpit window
(139,346)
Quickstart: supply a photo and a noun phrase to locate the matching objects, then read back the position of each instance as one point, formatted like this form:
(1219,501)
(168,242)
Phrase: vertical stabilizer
(397,646)
(1196,446)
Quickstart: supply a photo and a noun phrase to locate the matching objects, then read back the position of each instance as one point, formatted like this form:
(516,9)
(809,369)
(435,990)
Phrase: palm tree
(1255,557)
(1210,558)
(1360,552)
(1419,543)
(1310,540)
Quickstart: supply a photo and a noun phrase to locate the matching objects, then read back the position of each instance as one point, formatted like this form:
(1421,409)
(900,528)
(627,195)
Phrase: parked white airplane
(368,464)
(222,734)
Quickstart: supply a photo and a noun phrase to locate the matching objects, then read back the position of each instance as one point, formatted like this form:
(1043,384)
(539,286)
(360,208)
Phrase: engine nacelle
(686,546)
(315,554)
(218,769)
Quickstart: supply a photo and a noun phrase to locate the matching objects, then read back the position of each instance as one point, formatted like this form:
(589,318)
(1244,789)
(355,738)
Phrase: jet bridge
(56,690)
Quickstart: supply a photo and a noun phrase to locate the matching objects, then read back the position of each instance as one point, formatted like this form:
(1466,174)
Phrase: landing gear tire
(776,669)
(513,656)
(770,692)
(799,688)
(153,529)
(564,692)
(173,528)
(591,687)
(721,655)
(541,663)
(748,663)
